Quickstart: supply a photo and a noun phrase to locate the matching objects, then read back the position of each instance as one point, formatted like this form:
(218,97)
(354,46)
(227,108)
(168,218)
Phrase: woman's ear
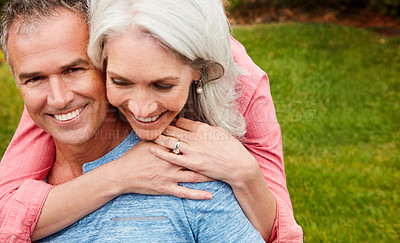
(197,74)
(215,71)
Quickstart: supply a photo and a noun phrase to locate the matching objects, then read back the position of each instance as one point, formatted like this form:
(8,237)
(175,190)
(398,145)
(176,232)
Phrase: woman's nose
(142,105)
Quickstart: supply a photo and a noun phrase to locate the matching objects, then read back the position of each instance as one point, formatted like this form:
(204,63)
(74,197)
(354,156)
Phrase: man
(63,92)
(65,95)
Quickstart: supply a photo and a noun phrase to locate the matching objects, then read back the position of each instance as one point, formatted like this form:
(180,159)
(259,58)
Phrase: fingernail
(209,196)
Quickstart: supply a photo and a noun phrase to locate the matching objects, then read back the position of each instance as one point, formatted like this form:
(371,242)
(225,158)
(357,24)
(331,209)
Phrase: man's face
(63,93)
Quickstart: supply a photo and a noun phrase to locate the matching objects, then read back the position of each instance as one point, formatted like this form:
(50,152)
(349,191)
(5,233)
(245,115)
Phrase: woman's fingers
(175,159)
(192,177)
(184,192)
(178,133)
(169,142)
(188,125)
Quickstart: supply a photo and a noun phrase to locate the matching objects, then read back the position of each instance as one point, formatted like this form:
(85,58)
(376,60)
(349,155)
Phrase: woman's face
(149,85)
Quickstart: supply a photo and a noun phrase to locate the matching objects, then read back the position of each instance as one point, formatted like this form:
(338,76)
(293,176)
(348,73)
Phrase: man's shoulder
(211,186)
(222,196)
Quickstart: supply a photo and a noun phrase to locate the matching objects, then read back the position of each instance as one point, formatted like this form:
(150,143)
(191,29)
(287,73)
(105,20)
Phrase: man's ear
(15,80)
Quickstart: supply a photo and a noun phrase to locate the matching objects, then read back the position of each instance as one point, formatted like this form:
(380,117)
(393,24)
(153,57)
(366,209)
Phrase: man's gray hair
(30,11)
(197,31)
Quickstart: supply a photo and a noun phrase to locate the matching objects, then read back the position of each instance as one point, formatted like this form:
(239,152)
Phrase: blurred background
(334,70)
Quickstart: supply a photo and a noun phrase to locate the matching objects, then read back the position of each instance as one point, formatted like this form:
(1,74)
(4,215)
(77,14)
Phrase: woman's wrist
(246,175)
(256,199)
(112,174)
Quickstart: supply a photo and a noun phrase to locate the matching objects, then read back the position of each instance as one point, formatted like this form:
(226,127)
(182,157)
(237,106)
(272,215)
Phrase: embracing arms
(29,207)
(19,210)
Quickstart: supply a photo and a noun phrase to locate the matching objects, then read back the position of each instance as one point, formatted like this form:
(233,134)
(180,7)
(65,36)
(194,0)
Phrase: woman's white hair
(197,31)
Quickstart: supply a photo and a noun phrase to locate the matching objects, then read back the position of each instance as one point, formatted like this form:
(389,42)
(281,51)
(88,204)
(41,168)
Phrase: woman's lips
(149,120)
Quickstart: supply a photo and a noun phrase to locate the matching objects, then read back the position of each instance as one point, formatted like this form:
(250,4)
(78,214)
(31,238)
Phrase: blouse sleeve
(23,168)
(264,141)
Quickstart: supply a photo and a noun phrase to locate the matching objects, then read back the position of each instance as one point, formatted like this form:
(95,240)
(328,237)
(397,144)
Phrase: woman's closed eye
(119,82)
(163,86)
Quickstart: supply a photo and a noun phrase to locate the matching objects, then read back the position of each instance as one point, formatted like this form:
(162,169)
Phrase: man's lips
(70,115)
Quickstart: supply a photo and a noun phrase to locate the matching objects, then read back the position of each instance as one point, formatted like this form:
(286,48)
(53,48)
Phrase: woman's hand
(211,151)
(139,171)
(208,150)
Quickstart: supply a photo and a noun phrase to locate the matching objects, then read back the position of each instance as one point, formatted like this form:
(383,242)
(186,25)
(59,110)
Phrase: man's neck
(70,159)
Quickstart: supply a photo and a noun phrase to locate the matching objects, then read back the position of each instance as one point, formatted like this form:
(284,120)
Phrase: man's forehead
(30,25)
(26,28)
(49,43)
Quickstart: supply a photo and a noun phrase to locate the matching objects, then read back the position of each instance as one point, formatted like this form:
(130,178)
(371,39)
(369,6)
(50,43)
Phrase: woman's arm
(262,194)
(138,171)
(213,152)
(264,141)
(28,205)
(23,168)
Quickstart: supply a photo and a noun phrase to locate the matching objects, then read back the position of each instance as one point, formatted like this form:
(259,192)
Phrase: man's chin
(71,138)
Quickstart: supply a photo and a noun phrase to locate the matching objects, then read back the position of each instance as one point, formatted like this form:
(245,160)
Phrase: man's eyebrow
(75,63)
(28,75)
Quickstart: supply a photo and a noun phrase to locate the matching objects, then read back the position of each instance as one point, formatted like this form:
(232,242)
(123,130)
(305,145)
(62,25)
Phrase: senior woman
(160,67)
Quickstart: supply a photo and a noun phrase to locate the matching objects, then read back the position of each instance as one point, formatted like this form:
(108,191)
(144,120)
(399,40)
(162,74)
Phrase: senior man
(64,95)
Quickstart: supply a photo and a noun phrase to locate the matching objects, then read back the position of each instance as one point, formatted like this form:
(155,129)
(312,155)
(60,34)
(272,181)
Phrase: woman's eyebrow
(111,73)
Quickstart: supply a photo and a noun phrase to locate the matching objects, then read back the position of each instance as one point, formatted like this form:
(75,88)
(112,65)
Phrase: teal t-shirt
(149,218)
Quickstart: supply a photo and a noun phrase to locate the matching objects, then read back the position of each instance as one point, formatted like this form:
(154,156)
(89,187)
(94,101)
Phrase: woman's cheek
(112,93)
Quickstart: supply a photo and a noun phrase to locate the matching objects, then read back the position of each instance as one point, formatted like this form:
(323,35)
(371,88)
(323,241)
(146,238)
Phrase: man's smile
(70,115)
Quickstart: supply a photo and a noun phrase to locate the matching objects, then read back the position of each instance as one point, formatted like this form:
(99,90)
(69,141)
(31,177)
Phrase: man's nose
(59,93)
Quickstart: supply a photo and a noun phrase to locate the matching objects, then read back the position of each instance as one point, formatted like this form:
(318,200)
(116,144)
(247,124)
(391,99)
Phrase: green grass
(12,106)
(337,97)
(336,92)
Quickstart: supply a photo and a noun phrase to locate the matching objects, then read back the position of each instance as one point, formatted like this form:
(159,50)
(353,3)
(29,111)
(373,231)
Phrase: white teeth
(147,119)
(69,116)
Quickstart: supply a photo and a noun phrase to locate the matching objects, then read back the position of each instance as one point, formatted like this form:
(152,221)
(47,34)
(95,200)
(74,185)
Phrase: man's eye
(119,82)
(163,86)
(34,79)
(74,70)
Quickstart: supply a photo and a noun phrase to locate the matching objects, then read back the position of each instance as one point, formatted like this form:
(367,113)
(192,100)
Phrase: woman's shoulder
(252,76)
(244,61)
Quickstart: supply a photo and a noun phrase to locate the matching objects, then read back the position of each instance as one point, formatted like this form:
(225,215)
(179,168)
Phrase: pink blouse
(31,152)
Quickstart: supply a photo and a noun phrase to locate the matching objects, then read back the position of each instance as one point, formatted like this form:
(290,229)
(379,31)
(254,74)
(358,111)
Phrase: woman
(248,188)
